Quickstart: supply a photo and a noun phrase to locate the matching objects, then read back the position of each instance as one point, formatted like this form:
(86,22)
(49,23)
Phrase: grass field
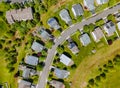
(112,80)
(5,76)
(89,65)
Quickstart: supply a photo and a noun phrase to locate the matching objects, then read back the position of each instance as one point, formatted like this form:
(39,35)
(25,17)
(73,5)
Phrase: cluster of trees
(103,72)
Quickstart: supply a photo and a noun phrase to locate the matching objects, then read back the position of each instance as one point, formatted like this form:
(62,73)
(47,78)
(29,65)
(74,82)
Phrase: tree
(91,82)
(97,78)
(111,3)
(1,46)
(60,49)
(11,69)
(103,75)
(86,28)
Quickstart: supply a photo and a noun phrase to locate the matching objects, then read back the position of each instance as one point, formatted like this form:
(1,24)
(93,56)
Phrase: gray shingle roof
(26,73)
(57,84)
(61,73)
(65,16)
(31,60)
(24,84)
(97,34)
(44,34)
(85,39)
(77,10)
(102,1)
(89,4)
(19,15)
(109,28)
(37,47)
(66,60)
(53,23)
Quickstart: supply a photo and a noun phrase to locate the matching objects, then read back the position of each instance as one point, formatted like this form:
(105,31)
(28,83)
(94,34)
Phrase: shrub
(91,82)
(97,78)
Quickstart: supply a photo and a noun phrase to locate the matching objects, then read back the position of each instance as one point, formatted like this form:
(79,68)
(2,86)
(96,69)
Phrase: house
(44,34)
(27,72)
(89,4)
(101,1)
(85,39)
(77,10)
(16,1)
(72,46)
(57,84)
(66,60)
(65,16)
(117,16)
(109,28)
(53,23)
(37,47)
(31,60)
(118,25)
(19,15)
(97,34)
(24,84)
(61,73)
(20,1)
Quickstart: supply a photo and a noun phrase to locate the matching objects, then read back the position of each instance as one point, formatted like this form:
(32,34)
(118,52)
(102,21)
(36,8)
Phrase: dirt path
(90,63)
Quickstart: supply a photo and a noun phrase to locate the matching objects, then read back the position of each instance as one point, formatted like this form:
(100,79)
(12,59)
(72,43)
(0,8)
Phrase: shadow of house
(67,54)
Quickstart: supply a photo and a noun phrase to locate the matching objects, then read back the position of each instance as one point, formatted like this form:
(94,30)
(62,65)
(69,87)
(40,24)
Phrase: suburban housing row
(108,29)
(77,10)
(31,62)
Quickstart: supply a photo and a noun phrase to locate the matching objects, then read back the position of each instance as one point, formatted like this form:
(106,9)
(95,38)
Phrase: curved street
(51,52)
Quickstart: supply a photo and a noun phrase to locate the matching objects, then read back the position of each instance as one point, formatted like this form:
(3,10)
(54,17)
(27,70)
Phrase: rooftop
(97,34)
(26,73)
(31,60)
(44,34)
(77,10)
(102,1)
(24,84)
(65,16)
(53,23)
(85,39)
(57,84)
(89,4)
(66,60)
(61,73)
(19,15)
(118,24)
(73,47)
(37,46)
(109,28)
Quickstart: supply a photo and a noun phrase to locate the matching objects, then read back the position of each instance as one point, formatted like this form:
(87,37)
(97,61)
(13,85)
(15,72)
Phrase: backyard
(87,68)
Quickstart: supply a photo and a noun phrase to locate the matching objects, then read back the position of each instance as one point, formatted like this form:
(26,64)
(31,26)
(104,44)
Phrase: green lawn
(87,68)
(112,80)
(5,76)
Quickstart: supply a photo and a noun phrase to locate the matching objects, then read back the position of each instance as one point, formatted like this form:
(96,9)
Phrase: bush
(91,82)
(103,75)
(97,78)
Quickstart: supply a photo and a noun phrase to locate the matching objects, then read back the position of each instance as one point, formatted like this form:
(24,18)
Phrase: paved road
(43,77)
